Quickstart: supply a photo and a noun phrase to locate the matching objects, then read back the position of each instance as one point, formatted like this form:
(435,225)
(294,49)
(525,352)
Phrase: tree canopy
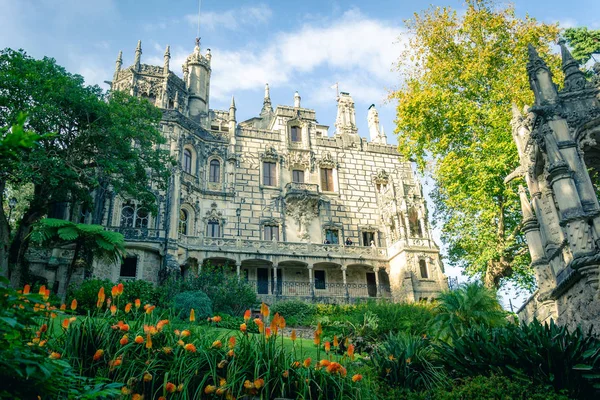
(583,42)
(462,72)
(98,142)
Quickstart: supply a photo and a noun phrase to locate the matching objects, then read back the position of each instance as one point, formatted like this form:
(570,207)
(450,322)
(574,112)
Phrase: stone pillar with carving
(345,281)
(275,289)
(311,282)
(377,291)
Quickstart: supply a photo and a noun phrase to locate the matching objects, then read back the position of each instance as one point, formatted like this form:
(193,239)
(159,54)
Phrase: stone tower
(557,141)
(196,74)
(375,130)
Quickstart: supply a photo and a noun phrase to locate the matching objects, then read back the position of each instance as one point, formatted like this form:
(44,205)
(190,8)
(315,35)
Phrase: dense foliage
(90,141)
(583,41)
(462,71)
(197,300)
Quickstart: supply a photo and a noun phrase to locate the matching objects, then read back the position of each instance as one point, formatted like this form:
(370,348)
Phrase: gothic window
(367,238)
(423,268)
(214,172)
(296,134)
(187,161)
(214,229)
(183,222)
(298,176)
(128,267)
(327,179)
(271,232)
(413,222)
(269,173)
(319,279)
(332,236)
(133,216)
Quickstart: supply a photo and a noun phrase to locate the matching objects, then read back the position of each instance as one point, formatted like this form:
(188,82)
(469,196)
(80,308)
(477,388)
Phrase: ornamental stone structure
(276,199)
(557,141)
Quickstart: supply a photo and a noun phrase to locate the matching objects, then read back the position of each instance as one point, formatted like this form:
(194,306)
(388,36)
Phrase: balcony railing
(274,247)
(321,290)
(131,233)
(301,187)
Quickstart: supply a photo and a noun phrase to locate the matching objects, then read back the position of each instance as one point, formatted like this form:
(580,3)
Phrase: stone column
(275,291)
(376,270)
(238,266)
(344,268)
(311,280)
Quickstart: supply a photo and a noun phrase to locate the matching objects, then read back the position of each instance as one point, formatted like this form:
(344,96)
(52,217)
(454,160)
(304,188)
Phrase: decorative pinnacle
(232,102)
(168,52)
(138,49)
(267,92)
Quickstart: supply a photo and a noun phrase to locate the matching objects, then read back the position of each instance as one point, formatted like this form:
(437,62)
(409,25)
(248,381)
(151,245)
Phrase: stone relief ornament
(270,154)
(298,159)
(327,161)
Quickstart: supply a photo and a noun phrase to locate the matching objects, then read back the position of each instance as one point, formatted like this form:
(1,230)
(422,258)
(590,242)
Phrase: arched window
(214,175)
(296,134)
(133,216)
(423,268)
(214,229)
(413,221)
(183,222)
(187,161)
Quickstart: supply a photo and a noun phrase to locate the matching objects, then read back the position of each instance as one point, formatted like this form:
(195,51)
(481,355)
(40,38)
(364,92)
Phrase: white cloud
(232,19)
(567,23)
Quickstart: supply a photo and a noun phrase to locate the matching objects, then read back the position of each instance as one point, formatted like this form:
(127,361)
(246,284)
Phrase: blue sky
(293,45)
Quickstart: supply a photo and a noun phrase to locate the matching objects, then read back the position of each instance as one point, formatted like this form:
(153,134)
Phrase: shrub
(411,318)
(541,354)
(470,305)
(296,312)
(139,289)
(196,299)
(87,293)
(407,361)
(228,294)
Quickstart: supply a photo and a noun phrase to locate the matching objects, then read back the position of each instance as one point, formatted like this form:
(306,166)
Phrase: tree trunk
(70,270)
(496,270)
(18,266)
(4,234)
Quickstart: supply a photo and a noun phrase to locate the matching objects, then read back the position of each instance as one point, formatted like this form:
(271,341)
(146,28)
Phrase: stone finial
(574,77)
(267,108)
(267,92)
(167,57)
(297,99)
(232,109)
(119,62)
(138,55)
(540,78)
(197,46)
(208,55)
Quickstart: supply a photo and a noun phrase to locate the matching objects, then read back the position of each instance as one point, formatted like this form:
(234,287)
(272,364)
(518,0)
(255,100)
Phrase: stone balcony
(301,190)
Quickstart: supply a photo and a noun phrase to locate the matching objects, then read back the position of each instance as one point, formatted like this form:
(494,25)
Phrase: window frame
(296,134)
(320,284)
(423,269)
(367,243)
(272,175)
(187,161)
(329,237)
(214,171)
(134,276)
(210,229)
(137,219)
(183,222)
(327,181)
(273,232)
(300,173)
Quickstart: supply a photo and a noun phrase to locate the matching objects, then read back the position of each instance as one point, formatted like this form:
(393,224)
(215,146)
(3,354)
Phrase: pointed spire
(267,108)
(119,62)
(232,110)
(232,105)
(138,55)
(540,78)
(267,92)
(167,57)
(574,78)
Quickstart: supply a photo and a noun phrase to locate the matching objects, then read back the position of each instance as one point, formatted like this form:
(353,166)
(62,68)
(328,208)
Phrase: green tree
(88,242)
(583,42)
(470,305)
(462,72)
(100,142)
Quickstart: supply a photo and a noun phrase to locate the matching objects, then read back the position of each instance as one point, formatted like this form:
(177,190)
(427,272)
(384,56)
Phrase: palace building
(296,210)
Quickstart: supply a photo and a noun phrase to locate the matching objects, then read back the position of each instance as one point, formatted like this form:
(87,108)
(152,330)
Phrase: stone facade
(275,198)
(557,140)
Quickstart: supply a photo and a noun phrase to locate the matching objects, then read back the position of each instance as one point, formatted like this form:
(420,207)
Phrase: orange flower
(147,377)
(408,360)
(101,297)
(181,342)
(65,323)
(162,398)
(232,342)
(98,354)
(286,373)
(185,333)
(54,355)
(222,382)
(307,362)
(26,289)
(115,363)
(220,392)
(114,291)
(148,341)
(72,319)
(46,294)
(268,333)
(317,339)
(264,310)
(119,289)
(351,351)
(293,335)
(192,315)
(357,378)
(124,327)
(167,350)
(124,340)
(139,339)
(63,307)
(327,347)
(42,290)
(137,396)
(150,309)
(230,353)
(161,324)
(108,302)
(243,328)
(260,324)
(334,367)
(259,383)
(217,344)
(137,303)
(113,309)
(190,347)
(247,315)
(324,363)
(319,330)
(210,389)
(180,387)
(125,391)
(296,364)
(43,328)
(74,304)
(335,341)
(128,308)
(170,387)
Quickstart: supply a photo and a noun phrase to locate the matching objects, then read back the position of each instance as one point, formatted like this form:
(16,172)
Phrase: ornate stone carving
(270,154)
(381,178)
(298,160)
(327,161)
